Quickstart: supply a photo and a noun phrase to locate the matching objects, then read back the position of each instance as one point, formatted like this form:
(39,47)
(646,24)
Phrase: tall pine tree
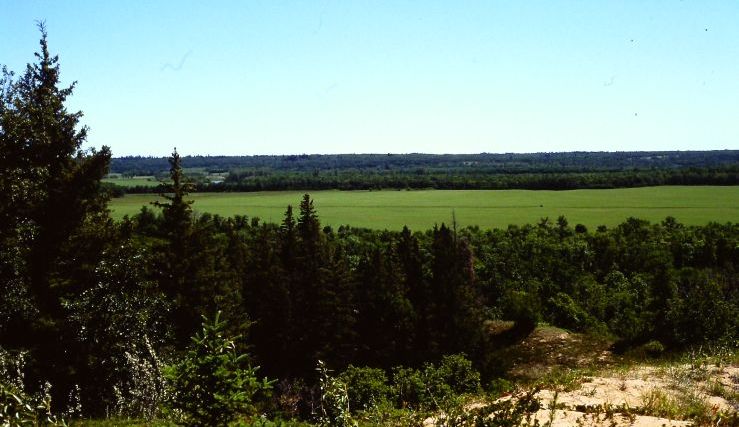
(53,216)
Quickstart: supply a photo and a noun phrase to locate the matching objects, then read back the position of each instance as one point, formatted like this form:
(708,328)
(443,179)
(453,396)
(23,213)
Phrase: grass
(422,209)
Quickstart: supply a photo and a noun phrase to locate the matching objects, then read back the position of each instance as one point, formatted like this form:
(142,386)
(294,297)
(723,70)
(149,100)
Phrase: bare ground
(588,386)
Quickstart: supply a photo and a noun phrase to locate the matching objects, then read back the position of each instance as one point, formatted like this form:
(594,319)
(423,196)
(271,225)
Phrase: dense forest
(136,318)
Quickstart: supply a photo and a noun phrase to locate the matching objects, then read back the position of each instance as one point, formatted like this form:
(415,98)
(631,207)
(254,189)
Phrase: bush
(566,313)
(429,387)
(457,372)
(367,386)
(499,386)
(409,387)
(18,408)
(653,348)
(334,404)
(521,307)
(213,384)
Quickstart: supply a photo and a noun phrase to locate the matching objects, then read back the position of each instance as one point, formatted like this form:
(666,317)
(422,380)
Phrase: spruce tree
(175,262)
(53,216)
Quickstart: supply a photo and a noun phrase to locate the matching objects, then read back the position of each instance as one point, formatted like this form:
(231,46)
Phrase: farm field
(487,208)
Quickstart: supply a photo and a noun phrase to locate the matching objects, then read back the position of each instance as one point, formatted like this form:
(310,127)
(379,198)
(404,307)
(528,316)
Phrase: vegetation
(99,318)
(212,383)
(541,171)
(422,209)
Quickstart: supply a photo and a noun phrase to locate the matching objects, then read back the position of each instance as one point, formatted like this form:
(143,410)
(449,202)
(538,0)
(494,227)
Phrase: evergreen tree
(177,210)
(176,264)
(53,218)
(410,264)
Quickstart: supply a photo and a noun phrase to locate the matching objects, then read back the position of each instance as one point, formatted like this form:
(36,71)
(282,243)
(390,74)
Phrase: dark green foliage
(565,312)
(428,387)
(53,219)
(366,386)
(456,371)
(700,311)
(191,266)
(213,383)
(522,307)
(409,387)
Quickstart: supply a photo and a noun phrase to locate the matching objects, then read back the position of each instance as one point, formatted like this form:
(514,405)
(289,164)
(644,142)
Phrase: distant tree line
(460,180)
(546,171)
(485,162)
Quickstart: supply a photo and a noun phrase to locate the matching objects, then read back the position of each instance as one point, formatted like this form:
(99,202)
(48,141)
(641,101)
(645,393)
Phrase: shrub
(143,389)
(367,386)
(429,387)
(653,348)
(522,307)
(457,372)
(499,386)
(18,408)
(334,404)
(213,384)
(565,312)
(409,387)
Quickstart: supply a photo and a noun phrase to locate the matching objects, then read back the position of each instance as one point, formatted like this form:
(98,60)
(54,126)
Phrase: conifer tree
(177,210)
(175,260)
(53,216)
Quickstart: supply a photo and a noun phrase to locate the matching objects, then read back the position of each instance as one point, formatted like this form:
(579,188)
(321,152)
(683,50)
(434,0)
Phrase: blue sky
(273,77)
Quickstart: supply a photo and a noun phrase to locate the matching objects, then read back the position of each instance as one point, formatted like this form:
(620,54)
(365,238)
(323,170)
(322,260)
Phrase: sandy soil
(615,398)
(641,396)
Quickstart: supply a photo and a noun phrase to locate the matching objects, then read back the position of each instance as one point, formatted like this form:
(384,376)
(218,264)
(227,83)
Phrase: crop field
(486,208)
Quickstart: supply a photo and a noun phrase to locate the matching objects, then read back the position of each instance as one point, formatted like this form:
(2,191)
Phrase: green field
(486,208)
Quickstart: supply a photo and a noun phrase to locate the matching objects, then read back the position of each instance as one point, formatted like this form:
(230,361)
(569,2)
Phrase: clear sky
(274,77)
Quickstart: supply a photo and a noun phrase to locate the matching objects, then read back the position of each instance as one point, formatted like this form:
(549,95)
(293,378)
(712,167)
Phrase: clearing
(421,209)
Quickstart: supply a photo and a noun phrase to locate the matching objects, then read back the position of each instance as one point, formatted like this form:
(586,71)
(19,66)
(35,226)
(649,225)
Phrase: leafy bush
(457,372)
(409,387)
(140,393)
(18,408)
(700,312)
(429,387)
(334,403)
(366,386)
(565,312)
(213,384)
(522,307)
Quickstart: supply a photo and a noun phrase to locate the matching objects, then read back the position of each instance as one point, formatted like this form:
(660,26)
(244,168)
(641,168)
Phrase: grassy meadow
(487,208)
